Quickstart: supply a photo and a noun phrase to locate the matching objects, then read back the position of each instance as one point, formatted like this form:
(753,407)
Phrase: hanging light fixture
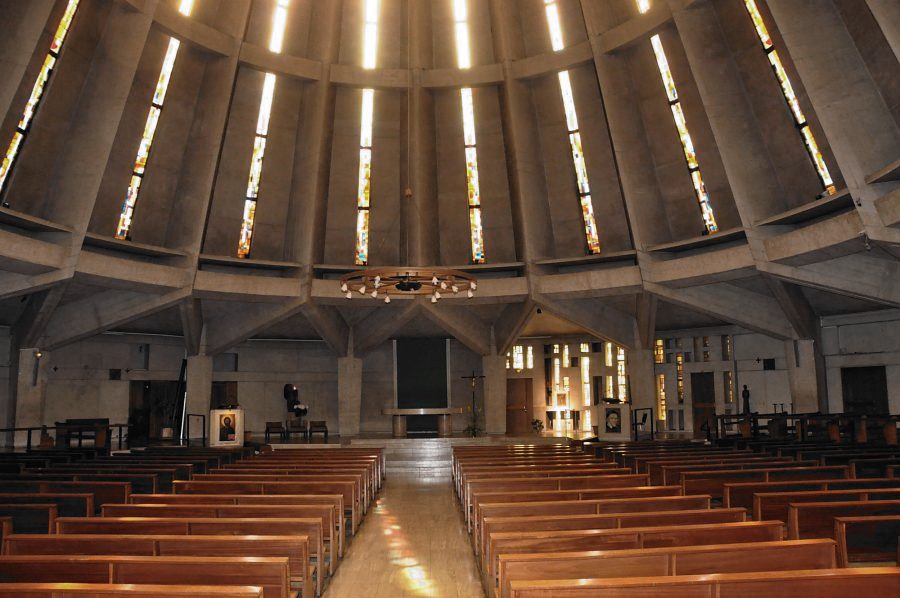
(404,280)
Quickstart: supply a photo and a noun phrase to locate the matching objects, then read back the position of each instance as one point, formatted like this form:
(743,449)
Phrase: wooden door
(518,407)
(703,402)
(865,390)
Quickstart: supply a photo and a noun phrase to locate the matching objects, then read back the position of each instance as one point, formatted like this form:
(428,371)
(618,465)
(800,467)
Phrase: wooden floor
(412,544)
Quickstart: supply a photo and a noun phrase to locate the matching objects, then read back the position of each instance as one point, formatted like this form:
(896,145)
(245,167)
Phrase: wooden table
(445,425)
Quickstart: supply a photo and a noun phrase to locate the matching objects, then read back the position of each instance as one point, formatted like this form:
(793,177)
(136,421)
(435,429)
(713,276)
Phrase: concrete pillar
(642,379)
(199,389)
(887,15)
(93,127)
(349,395)
(494,369)
(30,392)
(23,24)
(806,376)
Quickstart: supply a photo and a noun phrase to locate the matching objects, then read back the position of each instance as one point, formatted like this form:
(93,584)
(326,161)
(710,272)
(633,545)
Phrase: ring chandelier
(376,282)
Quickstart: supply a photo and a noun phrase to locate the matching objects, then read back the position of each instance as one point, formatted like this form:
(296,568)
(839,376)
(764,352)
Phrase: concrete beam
(229,330)
(509,325)
(92,315)
(379,326)
(32,322)
(330,325)
(646,320)
(191,312)
(598,319)
(732,304)
(463,325)
(795,307)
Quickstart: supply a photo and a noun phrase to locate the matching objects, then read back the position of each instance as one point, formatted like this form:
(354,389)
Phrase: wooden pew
(559,523)
(678,560)
(367,469)
(519,484)
(167,471)
(269,573)
(103,492)
(305,529)
(323,512)
(712,482)
(335,501)
(5,527)
(32,518)
(543,472)
(488,510)
(364,489)
(671,473)
(867,539)
(376,453)
(290,547)
(141,483)
(741,494)
(636,537)
(346,489)
(816,519)
(67,505)
(164,475)
(774,505)
(125,590)
(654,466)
(821,583)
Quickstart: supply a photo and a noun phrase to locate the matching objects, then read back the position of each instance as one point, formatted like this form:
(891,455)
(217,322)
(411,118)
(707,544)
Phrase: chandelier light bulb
(375,294)
(362,290)
(349,294)
(437,294)
(433,299)
(473,285)
(455,289)
(434,281)
(387,298)
(443,285)
(343,287)
(377,281)
(470,294)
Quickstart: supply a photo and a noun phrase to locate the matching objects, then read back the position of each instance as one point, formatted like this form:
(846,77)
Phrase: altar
(445,421)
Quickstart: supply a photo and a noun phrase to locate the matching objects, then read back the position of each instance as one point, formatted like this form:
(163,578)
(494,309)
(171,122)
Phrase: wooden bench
(307,530)
(367,487)
(323,512)
(741,494)
(655,562)
(168,470)
(359,495)
(97,590)
(164,475)
(774,505)
(67,505)
(573,483)
(868,538)
(366,468)
(633,538)
(712,482)
(103,492)
(269,573)
(654,467)
(5,527)
(559,523)
(290,547)
(34,518)
(821,583)
(141,483)
(312,453)
(671,473)
(816,519)
(346,489)
(517,509)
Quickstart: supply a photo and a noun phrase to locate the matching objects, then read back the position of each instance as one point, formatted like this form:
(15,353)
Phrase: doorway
(865,390)
(152,406)
(703,402)
(519,402)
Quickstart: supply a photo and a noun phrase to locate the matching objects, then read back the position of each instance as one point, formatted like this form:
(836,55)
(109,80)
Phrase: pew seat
(816,519)
(867,538)
(125,590)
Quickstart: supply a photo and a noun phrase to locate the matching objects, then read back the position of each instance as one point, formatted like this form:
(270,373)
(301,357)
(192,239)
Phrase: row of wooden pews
(672,518)
(272,524)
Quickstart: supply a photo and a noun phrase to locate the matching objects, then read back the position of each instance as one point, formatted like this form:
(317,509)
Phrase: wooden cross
(473,378)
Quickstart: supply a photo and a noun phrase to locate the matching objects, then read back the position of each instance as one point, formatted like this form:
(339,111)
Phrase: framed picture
(226,427)
(613,420)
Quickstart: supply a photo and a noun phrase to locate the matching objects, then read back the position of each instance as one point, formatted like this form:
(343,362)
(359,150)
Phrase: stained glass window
(529,357)
(364,185)
(592,237)
(585,347)
(248,217)
(659,351)
(621,378)
(586,380)
(679,376)
(518,357)
(809,141)
(565,356)
(37,92)
(609,354)
(661,396)
(464,61)
(126,216)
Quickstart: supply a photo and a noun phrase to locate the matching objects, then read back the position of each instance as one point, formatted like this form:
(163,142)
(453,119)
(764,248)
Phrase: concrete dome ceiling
(783,253)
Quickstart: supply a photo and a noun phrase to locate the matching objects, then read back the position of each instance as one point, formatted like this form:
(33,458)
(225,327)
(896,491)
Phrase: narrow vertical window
(364,186)
(727,378)
(586,381)
(464,61)
(556,380)
(787,90)
(126,217)
(679,376)
(661,396)
(659,351)
(518,358)
(592,238)
(622,379)
(585,347)
(37,92)
(609,354)
(687,144)
(529,358)
(248,217)
(565,356)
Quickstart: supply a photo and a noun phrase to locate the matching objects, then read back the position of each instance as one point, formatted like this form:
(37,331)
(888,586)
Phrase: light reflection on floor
(412,544)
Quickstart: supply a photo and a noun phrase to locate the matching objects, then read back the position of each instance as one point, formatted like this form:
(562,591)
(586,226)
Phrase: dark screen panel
(421,378)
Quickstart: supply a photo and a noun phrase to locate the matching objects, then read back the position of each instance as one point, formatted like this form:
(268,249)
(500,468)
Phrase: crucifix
(473,426)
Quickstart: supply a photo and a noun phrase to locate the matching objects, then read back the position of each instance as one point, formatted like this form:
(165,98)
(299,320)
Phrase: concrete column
(30,392)
(93,127)
(887,15)
(807,378)
(494,369)
(860,129)
(642,378)
(23,24)
(199,389)
(349,395)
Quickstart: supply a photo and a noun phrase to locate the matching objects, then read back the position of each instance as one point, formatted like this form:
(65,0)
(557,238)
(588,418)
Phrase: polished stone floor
(412,544)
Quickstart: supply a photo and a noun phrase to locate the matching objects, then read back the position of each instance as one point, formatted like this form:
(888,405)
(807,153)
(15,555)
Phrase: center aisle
(413,544)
